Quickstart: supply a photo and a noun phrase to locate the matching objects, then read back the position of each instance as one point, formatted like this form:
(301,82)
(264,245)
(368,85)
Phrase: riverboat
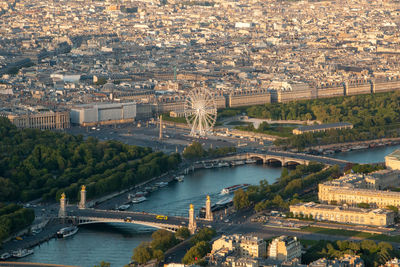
(141,194)
(124,207)
(250,161)
(162,184)
(328,152)
(234,188)
(67,231)
(5,256)
(237,163)
(180,178)
(137,200)
(22,253)
(225,201)
(137,195)
(209,166)
(223,164)
(359,147)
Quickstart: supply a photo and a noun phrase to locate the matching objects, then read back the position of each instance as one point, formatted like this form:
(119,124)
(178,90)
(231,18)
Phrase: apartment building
(245,246)
(284,248)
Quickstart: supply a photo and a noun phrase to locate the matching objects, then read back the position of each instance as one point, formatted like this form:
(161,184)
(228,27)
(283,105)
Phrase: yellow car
(161,217)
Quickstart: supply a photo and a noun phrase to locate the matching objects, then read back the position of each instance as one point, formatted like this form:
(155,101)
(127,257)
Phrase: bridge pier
(192,220)
(82,202)
(209,215)
(63,203)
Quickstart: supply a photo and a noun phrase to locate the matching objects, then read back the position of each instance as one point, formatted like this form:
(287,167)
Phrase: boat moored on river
(124,207)
(22,253)
(137,200)
(179,178)
(233,188)
(67,231)
(5,256)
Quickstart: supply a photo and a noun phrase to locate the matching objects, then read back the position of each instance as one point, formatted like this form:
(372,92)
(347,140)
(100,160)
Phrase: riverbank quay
(353,146)
(32,240)
(48,228)
(114,200)
(31,264)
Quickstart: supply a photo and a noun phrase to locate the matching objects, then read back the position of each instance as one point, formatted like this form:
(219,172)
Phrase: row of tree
(373,116)
(14,218)
(43,164)
(372,253)
(362,110)
(287,189)
(201,246)
(338,136)
(196,151)
(366,168)
(162,240)
(265,128)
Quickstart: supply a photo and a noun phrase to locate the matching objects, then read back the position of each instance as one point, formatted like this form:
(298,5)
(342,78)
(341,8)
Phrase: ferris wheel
(200,111)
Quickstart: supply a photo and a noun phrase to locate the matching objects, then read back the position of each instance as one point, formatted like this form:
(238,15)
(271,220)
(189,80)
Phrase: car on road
(161,217)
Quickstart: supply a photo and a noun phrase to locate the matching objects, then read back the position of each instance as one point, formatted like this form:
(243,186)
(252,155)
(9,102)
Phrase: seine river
(114,243)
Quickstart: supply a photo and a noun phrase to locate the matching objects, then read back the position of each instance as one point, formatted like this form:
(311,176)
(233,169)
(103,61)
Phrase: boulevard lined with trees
(373,116)
(43,164)
(373,254)
(14,218)
(162,240)
(291,188)
(196,151)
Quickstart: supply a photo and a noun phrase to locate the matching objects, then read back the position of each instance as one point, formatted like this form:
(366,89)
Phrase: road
(140,217)
(174,139)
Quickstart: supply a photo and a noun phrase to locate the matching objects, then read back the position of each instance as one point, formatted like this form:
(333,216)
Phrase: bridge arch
(274,161)
(87,221)
(257,158)
(292,163)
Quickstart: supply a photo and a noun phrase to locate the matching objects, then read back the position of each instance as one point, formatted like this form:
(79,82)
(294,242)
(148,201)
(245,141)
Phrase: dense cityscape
(199,133)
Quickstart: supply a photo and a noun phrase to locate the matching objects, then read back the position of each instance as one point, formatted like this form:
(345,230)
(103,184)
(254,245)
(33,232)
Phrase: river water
(367,155)
(114,243)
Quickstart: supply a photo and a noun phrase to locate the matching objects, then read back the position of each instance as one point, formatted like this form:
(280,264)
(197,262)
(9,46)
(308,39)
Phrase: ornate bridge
(287,158)
(81,215)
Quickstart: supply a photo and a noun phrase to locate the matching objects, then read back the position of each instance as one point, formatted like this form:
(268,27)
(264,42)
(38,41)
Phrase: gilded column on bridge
(209,215)
(82,202)
(63,202)
(192,220)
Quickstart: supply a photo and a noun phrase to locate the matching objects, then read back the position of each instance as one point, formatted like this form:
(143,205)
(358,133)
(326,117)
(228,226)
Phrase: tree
(194,151)
(142,253)
(103,264)
(101,81)
(43,164)
(393,208)
(285,172)
(241,199)
(182,233)
(196,252)
(363,205)
(163,240)
(158,255)
(205,234)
